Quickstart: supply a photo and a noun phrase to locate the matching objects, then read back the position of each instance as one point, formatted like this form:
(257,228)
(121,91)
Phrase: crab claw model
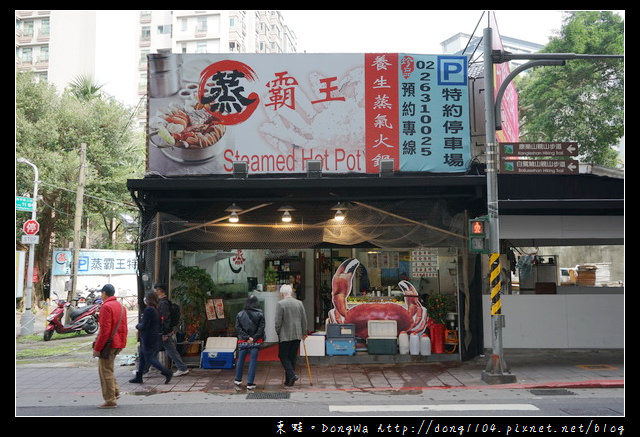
(410,317)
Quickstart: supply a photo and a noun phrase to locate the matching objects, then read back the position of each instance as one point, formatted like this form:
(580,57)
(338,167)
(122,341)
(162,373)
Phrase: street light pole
(27,320)
(496,367)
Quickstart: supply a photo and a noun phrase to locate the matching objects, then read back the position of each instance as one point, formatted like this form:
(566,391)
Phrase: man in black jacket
(168,336)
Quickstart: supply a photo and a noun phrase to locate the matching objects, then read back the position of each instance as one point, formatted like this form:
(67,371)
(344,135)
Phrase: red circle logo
(221,91)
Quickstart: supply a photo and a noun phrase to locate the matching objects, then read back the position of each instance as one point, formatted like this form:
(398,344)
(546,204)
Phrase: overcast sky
(409,31)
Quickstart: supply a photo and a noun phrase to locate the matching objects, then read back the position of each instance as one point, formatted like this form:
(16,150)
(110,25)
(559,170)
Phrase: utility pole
(77,223)
(496,367)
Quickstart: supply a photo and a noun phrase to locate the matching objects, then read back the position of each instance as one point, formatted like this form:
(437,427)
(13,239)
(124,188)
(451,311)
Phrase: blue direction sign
(24,203)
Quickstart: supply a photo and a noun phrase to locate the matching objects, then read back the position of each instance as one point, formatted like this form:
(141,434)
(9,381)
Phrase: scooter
(83,318)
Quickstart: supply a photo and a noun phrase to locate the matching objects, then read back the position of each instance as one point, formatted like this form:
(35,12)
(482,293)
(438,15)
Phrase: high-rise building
(111,46)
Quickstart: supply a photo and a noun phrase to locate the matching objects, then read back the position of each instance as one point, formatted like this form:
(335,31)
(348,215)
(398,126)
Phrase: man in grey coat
(291,326)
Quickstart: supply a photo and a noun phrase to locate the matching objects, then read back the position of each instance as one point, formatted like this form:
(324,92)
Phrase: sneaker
(180,372)
(108,405)
(237,383)
(251,386)
(291,381)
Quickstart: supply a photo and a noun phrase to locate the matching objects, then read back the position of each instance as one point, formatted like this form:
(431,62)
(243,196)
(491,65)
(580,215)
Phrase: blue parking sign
(452,70)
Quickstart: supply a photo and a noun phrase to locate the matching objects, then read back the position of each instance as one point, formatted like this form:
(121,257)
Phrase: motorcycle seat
(77,312)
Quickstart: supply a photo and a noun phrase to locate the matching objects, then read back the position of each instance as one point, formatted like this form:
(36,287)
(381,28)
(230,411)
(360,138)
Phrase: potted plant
(437,309)
(194,287)
(270,278)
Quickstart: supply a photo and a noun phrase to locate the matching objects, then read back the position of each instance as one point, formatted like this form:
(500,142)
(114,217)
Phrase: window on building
(201,47)
(142,82)
(143,56)
(145,33)
(44,27)
(27,28)
(202,24)
(44,54)
(164,29)
(27,54)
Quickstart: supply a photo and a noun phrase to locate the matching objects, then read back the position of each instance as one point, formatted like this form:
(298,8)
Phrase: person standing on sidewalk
(149,331)
(113,325)
(250,331)
(291,326)
(168,334)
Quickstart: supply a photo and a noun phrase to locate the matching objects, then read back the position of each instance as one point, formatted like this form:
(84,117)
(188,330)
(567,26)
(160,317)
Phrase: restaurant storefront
(410,228)
(239,143)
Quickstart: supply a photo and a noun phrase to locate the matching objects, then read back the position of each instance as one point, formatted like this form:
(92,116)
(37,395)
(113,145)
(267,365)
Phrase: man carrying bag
(112,335)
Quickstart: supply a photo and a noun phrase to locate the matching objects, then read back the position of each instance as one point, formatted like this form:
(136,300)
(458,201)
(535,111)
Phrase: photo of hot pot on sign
(274,112)
(190,122)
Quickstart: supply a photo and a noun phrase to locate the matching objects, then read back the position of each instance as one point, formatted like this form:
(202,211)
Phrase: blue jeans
(253,363)
(149,358)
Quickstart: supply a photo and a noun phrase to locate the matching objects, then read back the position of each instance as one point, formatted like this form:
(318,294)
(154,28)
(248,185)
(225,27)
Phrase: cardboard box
(340,346)
(219,353)
(382,346)
(314,344)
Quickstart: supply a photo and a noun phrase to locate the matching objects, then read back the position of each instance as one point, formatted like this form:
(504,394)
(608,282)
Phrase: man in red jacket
(113,322)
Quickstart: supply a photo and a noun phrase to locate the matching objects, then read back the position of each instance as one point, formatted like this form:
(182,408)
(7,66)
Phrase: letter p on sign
(452,70)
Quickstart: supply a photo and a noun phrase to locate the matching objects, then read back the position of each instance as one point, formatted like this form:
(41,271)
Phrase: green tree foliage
(84,88)
(50,128)
(195,287)
(582,101)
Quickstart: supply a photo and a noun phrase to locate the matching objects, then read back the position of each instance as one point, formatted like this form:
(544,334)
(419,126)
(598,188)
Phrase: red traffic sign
(31,227)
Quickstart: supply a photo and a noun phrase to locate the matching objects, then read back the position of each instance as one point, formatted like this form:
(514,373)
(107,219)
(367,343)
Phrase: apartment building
(112,46)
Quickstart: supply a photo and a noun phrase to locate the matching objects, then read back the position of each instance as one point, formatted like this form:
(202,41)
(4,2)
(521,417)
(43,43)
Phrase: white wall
(575,321)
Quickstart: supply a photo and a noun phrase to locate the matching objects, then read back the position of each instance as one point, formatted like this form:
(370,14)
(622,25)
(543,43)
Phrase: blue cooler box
(219,353)
(340,346)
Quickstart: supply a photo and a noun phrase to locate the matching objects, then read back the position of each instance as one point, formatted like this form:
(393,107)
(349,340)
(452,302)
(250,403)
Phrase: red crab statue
(410,317)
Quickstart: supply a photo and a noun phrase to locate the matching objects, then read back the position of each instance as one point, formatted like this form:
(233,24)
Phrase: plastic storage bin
(341,330)
(339,346)
(382,328)
(219,353)
(314,345)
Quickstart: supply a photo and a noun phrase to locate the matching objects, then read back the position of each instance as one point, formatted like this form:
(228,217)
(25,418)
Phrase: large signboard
(95,262)
(509,107)
(277,112)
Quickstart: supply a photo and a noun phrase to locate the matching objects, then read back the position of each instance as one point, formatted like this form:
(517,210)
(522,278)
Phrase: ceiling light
(339,216)
(233,209)
(286,216)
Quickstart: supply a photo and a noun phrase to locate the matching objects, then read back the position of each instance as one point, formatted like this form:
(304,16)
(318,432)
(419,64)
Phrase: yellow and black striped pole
(495,284)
